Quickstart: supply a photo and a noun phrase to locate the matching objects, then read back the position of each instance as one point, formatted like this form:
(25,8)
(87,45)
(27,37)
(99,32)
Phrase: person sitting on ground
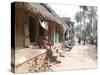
(46,43)
(40,42)
(49,55)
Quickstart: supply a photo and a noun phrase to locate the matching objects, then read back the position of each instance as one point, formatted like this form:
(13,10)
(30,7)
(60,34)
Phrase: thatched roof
(68,21)
(43,10)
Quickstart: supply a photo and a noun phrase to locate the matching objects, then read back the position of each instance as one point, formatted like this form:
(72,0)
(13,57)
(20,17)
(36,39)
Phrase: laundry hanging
(44,25)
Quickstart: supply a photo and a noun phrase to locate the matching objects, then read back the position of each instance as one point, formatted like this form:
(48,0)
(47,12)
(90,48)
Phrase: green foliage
(87,17)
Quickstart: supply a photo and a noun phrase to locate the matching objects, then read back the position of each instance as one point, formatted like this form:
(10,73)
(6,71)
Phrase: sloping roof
(67,20)
(43,10)
(58,18)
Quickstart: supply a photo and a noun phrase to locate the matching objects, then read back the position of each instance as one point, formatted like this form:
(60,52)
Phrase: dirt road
(80,57)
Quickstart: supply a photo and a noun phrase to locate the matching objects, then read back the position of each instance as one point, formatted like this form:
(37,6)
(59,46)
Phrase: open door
(32,30)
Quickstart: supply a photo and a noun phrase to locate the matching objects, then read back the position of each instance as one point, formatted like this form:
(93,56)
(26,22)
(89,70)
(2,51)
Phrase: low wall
(28,60)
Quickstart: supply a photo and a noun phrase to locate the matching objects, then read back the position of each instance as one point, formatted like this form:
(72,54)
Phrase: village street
(45,40)
(80,57)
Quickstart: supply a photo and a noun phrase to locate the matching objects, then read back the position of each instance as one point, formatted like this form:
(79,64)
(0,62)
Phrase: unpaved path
(80,57)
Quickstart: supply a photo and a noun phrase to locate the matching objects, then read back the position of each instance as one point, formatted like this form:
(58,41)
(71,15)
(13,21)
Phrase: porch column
(26,31)
(54,35)
(37,30)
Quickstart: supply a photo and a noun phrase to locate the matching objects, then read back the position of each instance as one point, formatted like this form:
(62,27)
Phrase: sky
(65,10)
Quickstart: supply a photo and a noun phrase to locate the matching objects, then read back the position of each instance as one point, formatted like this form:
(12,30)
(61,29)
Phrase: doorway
(32,30)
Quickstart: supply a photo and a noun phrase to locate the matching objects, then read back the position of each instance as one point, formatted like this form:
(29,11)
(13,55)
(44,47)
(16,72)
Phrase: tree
(87,17)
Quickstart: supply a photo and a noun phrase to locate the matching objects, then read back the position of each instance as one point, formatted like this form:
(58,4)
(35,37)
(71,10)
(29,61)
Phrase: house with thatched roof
(28,28)
(69,34)
(29,22)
